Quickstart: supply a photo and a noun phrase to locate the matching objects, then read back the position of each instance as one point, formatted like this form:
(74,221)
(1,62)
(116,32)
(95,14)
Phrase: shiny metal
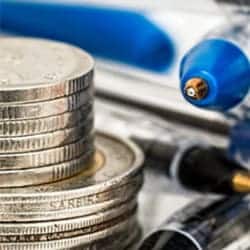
(207,223)
(71,239)
(43,141)
(46,136)
(115,177)
(241,182)
(122,241)
(33,70)
(46,124)
(46,157)
(196,88)
(118,160)
(38,229)
(43,175)
(68,208)
(47,108)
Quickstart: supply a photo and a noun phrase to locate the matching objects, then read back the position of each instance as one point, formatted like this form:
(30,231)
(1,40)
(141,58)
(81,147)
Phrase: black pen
(206,224)
(207,169)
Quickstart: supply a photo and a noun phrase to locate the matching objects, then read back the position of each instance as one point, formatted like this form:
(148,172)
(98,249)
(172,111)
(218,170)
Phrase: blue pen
(122,35)
(215,74)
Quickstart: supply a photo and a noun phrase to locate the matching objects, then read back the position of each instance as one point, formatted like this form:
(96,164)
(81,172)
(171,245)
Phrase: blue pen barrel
(121,35)
(215,74)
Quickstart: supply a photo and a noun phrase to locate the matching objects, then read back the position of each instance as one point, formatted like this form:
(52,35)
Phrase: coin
(84,235)
(39,70)
(118,162)
(46,124)
(66,208)
(117,240)
(46,157)
(67,225)
(46,108)
(45,141)
(119,159)
(46,136)
(42,175)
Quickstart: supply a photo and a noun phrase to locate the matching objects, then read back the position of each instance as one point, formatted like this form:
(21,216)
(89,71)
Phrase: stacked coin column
(61,185)
(46,112)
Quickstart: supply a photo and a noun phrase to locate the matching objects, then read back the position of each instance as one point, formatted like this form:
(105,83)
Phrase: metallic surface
(118,240)
(122,158)
(196,88)
(68,225)
(118,163)
(43,175)
(208,223)
(39,70)
(46,124)
(58,138)
(68,208)
(47,157)
(47,108)
(126,240)
(72,239)
(58,190)
(241,182)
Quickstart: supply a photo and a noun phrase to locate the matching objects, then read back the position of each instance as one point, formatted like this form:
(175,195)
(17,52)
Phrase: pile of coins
(61,185)
(46,112)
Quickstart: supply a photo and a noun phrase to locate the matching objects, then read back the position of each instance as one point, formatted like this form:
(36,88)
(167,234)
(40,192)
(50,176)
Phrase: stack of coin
(60,188)
(46,111)
(93,210)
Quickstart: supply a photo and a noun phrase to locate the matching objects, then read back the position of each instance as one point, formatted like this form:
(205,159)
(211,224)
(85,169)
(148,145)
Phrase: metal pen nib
(209,170)
(196,88)
(241,182)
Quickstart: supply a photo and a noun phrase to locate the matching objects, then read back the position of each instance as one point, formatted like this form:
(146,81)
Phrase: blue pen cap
(224,68)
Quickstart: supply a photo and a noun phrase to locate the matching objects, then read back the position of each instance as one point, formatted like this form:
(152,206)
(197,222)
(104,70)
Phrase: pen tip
(196,88)
(241,182)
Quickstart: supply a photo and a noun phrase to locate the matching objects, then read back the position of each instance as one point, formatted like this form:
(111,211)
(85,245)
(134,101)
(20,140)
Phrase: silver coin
(42,175)
(47,124)
(68,225)
(46,108)
(43,141)
(115,239)
(38,70)
(73,238)
(120,160)
(66,208)
(46,157)
(119,241)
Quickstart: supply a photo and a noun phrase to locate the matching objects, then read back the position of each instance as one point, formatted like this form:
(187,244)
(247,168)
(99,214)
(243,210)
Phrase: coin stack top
(46,111)
(59,188)
(36,69)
